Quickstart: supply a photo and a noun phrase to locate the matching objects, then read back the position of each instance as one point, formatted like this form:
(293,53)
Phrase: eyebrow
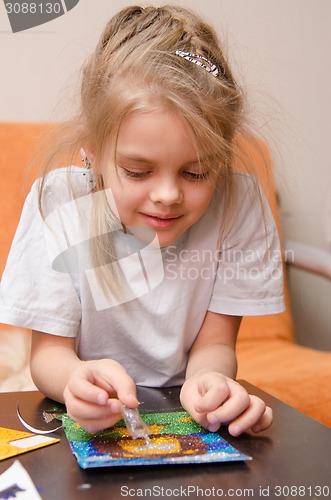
(136,158)
(147,161)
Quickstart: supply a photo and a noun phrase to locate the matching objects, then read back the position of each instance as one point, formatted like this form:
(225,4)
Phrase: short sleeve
(33,294)
(249,278)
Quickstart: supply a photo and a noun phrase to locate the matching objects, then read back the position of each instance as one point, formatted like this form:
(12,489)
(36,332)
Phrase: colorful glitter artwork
(175,438)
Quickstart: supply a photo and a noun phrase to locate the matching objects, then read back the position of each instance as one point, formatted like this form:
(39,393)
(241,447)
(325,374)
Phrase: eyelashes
(133,174)
(196,177)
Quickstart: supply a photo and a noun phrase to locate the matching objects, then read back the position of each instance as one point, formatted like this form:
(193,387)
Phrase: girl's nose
(166,191)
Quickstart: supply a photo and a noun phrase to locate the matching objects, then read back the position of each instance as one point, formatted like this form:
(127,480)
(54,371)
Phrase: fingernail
(236,430)
(102,399)
(212,419)
(214,427)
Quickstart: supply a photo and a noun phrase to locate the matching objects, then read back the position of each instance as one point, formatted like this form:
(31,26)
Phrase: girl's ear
(86,158)
(91,151)
(87,154)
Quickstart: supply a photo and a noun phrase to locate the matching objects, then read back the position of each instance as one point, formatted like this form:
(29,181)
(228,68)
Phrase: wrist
(200,371)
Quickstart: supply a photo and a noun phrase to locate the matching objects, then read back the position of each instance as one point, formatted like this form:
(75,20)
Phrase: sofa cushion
(297,375)
(17,143)
(253,152)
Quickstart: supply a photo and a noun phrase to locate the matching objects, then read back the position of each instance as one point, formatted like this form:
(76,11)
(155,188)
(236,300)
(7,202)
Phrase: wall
(278,49)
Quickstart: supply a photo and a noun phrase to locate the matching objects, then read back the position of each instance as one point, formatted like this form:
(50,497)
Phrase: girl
(137,268)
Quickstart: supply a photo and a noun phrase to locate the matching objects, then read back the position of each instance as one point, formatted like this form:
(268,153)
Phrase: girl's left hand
(213,399)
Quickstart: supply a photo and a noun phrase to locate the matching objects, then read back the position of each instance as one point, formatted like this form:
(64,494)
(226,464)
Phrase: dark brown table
(292,459)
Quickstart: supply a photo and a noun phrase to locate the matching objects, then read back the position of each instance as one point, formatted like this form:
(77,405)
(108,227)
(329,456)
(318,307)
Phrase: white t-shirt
(50,285)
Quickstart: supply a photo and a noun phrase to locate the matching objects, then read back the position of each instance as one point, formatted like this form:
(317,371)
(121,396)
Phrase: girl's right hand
(95,393)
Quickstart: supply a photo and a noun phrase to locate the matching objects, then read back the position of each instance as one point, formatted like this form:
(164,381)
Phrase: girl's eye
(134,173)
(196,176)
(141,174)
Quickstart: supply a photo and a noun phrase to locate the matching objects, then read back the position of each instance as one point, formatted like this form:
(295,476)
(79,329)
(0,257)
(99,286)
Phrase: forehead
(157,133)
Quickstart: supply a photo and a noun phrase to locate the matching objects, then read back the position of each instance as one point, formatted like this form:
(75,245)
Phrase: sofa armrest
(308,258)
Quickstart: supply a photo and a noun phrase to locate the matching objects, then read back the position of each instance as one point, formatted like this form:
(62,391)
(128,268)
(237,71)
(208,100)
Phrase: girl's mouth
(161,221)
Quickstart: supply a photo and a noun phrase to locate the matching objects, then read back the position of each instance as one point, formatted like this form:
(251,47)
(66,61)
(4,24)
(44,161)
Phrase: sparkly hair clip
(201,61)
(85,159)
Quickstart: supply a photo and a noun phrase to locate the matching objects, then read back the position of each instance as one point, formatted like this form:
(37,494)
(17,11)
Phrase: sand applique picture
(175,438)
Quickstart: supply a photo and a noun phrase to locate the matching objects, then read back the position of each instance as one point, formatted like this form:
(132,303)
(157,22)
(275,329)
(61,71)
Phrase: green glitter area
(180,423)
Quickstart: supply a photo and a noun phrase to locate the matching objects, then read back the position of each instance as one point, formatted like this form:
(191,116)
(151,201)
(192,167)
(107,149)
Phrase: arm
(210,393)
(214,347)
(93,391)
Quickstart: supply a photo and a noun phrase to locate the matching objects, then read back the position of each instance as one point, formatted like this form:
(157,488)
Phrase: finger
(236,403)
(111,376)
(80,409)
(97,380)
(97,424)
(212,397)
(264,422)
(84,390)
(257,415)
(126,390)
(188,395)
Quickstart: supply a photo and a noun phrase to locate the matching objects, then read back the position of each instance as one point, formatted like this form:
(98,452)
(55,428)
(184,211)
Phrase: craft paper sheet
(15,482)
(14,442)
(175,439)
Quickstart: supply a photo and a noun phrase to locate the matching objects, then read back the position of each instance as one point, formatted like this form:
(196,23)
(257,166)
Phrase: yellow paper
(13,442)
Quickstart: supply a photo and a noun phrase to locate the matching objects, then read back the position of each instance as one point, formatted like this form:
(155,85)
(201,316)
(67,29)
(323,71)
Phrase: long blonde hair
(135,67)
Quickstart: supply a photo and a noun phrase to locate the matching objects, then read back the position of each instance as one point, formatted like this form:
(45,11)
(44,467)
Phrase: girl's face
(158,181)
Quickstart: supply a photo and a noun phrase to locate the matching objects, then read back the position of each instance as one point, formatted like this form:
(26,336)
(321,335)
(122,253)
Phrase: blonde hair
(135,67)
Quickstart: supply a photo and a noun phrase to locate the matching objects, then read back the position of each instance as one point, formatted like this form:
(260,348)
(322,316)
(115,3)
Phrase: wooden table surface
(292,459)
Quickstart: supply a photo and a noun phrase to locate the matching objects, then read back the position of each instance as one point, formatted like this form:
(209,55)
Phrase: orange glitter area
(156,446)
(123,431)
